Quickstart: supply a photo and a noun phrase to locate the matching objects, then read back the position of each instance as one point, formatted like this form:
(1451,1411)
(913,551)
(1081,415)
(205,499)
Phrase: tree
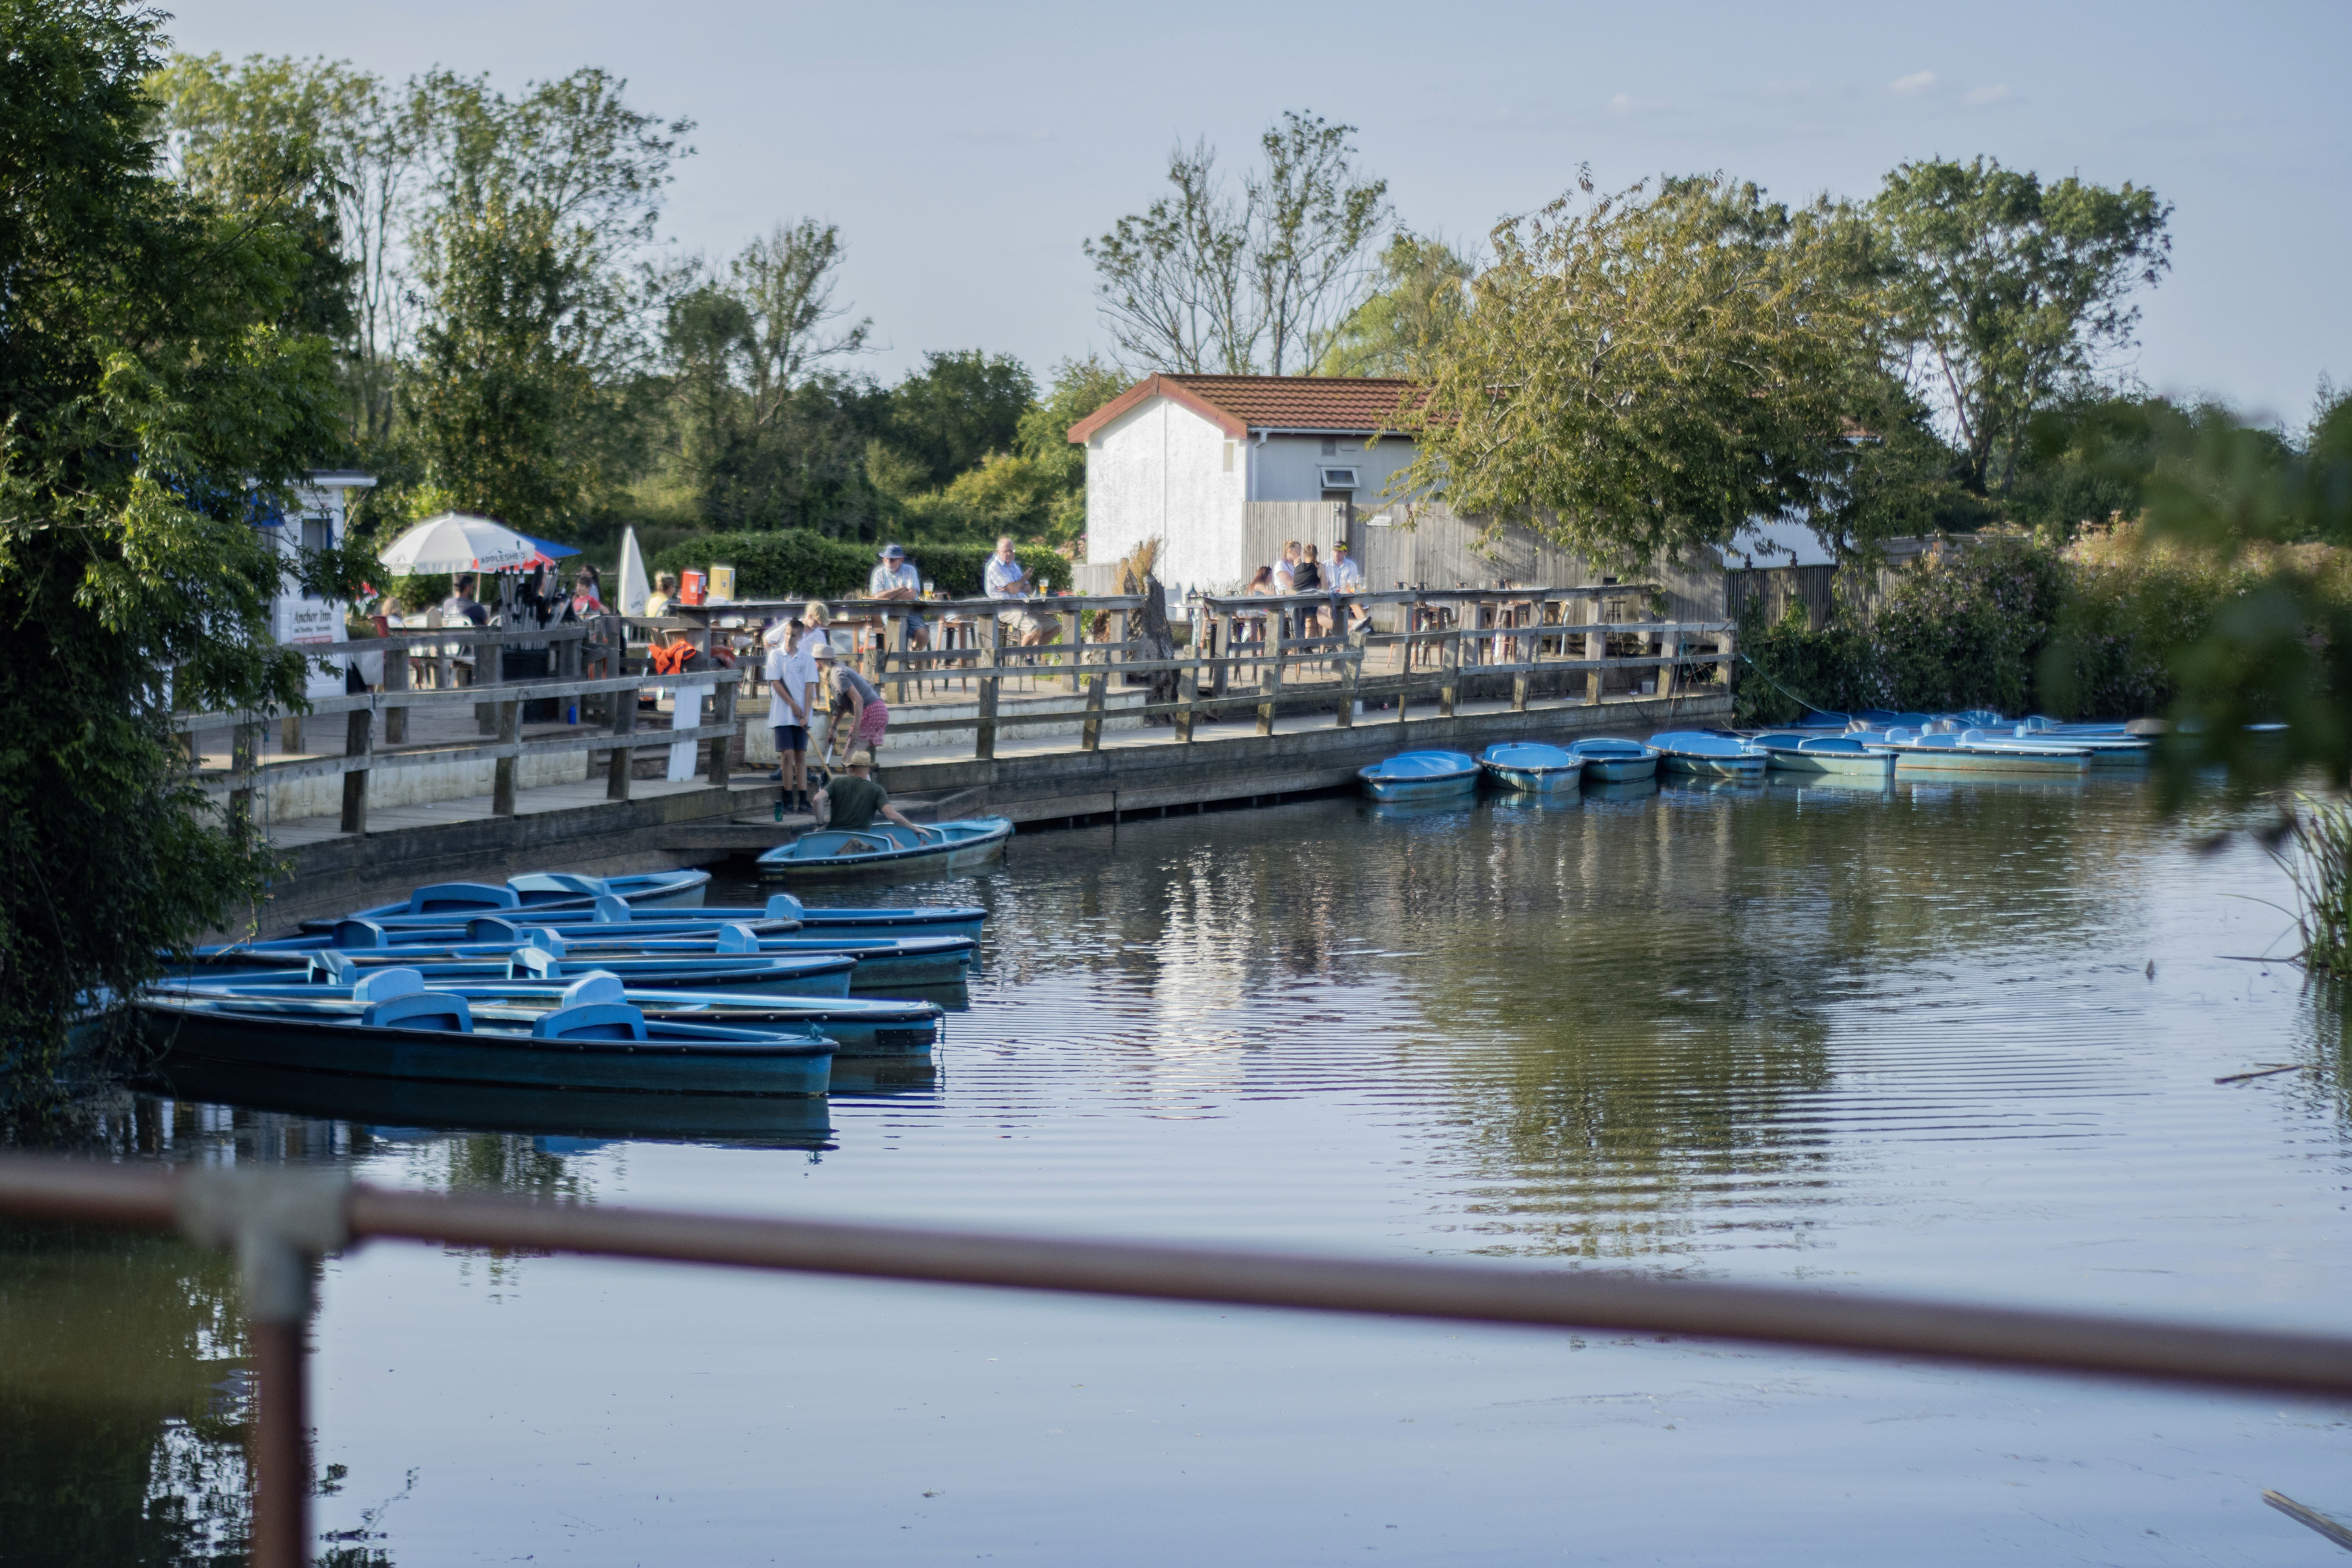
(155,398)
(323,146)
(960,406)
(1639,375)
(1201,282)
(2005,293)
(525,396)
(1080,387)
(1423,291)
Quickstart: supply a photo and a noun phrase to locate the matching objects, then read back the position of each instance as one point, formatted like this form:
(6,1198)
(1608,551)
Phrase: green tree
(1643,374)
(2005,293)
(526,396)
(960,406)
(1080,387)
(1423,291)
(1202,281)
(154,398)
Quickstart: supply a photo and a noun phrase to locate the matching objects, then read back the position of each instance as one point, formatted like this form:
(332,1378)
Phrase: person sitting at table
(1286,571)
(1006,578)
(897,578)
(461,605)
(1251,624)
(665,590)
(853,799)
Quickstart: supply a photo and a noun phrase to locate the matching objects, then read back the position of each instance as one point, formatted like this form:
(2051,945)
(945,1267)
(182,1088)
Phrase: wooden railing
(503,701)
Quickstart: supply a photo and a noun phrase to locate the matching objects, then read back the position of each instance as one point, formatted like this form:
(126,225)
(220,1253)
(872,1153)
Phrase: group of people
(807,679)
(1301,570)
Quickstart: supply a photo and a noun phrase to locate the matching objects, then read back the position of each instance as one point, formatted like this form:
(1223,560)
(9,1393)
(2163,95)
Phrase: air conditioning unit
(1340,480)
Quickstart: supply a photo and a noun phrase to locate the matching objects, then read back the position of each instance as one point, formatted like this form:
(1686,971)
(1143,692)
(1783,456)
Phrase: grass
(2316,854)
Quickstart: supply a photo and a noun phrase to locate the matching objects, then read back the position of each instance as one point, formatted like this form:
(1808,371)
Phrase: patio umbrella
(454,542)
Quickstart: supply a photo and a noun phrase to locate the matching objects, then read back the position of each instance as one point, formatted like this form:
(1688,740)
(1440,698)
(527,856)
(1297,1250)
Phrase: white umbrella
(632,601)
(454,542)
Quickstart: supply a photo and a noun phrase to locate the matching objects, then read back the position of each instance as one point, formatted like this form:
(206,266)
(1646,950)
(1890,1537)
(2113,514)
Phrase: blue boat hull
(1877,765)
(1714,767)
(1537,781)
(1421,791)
(887,850)
(1619,769)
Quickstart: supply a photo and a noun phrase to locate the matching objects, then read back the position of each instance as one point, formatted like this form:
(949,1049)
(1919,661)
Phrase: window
(1330,445)
(1340,480)
(318,534)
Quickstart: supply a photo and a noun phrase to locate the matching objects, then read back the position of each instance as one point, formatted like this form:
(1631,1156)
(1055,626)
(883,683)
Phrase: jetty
(600,765)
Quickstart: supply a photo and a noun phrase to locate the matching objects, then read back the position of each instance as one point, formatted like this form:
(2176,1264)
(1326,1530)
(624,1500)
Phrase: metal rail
(280,1221)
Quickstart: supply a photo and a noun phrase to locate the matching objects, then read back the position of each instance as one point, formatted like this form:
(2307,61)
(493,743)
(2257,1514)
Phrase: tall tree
(1639,375)
(1421,291)
(533,353)
(1080,387)
(155,397)
(2006,294)
(1205,281)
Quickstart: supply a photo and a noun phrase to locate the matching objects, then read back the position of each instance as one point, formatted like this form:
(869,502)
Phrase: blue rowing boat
(548,891)
(1421,777)
(886,849)
(392,1024)
(1532,768)
(1703,755)
(794,974)
(1789,751)
(1615,761)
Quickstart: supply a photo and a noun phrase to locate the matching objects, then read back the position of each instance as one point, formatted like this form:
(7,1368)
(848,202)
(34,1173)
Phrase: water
(1902,1043)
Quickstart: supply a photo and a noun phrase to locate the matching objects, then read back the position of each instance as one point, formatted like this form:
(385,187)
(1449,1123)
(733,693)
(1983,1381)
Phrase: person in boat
(1006,578)
(896,578)
(869,716)
(853,799)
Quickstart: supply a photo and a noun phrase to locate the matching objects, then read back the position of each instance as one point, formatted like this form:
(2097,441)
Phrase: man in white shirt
(1346,578)
(897,578)
(791,677)
(1006,578)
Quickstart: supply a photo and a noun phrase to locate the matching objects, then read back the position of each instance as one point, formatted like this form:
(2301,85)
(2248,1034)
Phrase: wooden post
(894,641)
(567,657)
(357,728)
(1090,732)
(245,747)
(1188,681)
(1670,643)
(1224,648)
(624,723)
(983,742)
(290,734)
(502,771)
(1596,647)
(1726,645)
(1351,669)
(722,711)
(1078,645)
(1269,683)
(1450,691)
(396,678)
(1523,648)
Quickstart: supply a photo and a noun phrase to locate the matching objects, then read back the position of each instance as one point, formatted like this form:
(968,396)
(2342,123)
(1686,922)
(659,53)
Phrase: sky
(966,151)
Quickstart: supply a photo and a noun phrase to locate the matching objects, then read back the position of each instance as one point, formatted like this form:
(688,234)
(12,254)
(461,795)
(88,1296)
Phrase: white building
(317,523)
(1183,457)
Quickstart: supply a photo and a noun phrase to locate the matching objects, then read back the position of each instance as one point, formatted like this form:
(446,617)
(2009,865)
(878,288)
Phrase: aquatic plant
(2316,852)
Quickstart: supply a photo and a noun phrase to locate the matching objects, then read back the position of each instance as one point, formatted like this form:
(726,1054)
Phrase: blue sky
(966,150)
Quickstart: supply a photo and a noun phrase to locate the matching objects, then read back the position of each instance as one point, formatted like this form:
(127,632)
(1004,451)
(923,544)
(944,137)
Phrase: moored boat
(548,891)
(544,959)
(1421,777)
(1789,752)
(886,849)
(1615,761)
(1532,768)
(391,1024)
(1948,753)
(1703,754)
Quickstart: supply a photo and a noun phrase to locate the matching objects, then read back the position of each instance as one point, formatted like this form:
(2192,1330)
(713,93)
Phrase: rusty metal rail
(280,1221)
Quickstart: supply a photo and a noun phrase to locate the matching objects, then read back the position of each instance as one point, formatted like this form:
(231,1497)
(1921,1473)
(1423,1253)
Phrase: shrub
(794,561)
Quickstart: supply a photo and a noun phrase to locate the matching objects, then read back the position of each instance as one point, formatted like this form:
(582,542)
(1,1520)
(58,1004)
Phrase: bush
(1969,633)
(793,562)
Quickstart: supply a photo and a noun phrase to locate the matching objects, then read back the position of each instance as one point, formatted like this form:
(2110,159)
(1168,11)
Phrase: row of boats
(1869,745)
(559,983)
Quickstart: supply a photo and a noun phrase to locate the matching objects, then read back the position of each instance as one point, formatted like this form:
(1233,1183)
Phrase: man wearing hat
(851,799)
(897,578)
(869,715)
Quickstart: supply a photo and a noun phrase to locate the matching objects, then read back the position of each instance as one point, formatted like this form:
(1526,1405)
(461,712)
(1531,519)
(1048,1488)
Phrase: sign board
(315,522)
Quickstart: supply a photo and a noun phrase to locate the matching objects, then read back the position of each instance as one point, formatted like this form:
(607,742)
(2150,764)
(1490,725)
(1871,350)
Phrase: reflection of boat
(548,890)
(1615,761)
(1704,755)
(887,849)
(1421,777)
(1532,768)
(1789,752)
(1881,783)
(800,1122)
(1624,789)
(389,1026)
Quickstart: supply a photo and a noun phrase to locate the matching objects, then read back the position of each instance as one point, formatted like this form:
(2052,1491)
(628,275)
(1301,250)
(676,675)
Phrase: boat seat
(610,907)
(449,897)
(592,1021)
(334,968)
(358,934)
(419,1009)
(534,964)
(493,928)
(386,983)
(784,906)
(596,985)
(738,937)
(546,940)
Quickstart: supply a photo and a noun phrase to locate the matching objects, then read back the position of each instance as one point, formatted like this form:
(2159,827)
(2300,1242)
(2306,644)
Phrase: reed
(2316,854)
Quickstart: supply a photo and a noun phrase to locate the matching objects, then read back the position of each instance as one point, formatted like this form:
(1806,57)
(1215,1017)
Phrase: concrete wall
(1163,470)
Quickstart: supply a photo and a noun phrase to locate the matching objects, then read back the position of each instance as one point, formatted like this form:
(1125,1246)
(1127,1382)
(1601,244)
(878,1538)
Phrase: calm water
(1909,1042)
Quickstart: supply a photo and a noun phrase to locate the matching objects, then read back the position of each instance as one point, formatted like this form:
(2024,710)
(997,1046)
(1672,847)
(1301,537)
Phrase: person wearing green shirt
(853,798)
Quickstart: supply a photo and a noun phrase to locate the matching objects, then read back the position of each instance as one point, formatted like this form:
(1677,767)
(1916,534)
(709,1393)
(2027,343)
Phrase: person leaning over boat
(853,798)
(870,715)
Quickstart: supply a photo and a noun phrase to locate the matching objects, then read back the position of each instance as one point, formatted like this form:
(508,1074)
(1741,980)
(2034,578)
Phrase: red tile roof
(1240,403)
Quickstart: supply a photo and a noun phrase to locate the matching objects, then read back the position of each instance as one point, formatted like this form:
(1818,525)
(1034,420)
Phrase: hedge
(792,562)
